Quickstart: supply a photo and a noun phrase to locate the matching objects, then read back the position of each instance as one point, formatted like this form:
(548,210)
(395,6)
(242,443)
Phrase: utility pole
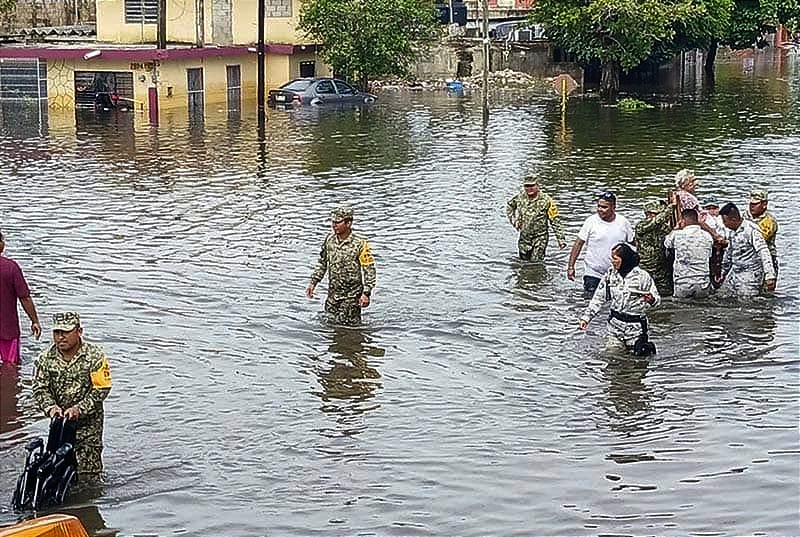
(162,24)
(261,86)
(486,59)
(200,23)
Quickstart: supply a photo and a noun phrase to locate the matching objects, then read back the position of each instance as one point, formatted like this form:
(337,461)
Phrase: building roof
(75,30)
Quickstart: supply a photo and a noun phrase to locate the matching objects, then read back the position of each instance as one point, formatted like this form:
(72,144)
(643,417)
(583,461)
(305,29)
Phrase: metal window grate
(194,79)
(23,79)
(141,11)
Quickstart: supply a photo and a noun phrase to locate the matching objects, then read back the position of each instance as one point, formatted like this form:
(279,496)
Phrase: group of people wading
(680,248)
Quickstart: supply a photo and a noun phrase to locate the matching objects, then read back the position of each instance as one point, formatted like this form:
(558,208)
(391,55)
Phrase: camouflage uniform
(649,239)
(747,262)
(84,381)
(625,295)
(351,273)
(531,216)
(693,247)
(768,225)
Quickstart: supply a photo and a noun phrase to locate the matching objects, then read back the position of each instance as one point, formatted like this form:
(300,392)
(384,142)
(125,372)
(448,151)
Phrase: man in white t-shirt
(692,246)
(600,232)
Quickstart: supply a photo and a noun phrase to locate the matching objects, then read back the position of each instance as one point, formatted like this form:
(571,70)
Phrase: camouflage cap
(66,321)
(653,206)
(530,180)
(757,196)
(710,202)
(341,213)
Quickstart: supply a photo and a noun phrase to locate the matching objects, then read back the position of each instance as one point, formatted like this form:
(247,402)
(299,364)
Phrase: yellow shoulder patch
(101,377)
(552,212)
(365,257)
(767,226)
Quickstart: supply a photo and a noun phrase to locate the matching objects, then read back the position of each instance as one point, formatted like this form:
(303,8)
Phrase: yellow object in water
(46,526)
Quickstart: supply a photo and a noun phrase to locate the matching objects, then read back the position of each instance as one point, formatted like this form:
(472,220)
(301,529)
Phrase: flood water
(468,403)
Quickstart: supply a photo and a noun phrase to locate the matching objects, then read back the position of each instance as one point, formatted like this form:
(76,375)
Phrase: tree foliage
(751,19)
(365,39)
(7,5)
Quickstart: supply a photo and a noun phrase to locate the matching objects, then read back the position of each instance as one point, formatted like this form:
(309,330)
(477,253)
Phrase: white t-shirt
(600,236)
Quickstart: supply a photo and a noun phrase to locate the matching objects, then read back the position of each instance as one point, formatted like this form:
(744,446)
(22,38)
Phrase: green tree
(365,39)
(7,5)
(753,18)
(622,34)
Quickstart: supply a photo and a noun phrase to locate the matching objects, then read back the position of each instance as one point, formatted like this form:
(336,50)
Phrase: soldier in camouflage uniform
(71,379)
(692,246)
(747,264)
(348,260)
(769,226)
(650,233)
(529,212)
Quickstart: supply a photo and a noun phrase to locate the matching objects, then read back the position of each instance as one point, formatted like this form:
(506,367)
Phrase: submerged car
(301,91)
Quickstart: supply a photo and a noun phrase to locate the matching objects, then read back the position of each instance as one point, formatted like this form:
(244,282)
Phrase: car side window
(325,87)
(344,89)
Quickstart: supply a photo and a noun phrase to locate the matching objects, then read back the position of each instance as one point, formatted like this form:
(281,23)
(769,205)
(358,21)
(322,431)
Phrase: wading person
(348,260)
(13,288)
(692,247)
(650,233)
(631,292)
(714,220)
(71,379)
(530,212)
(599,233)
(686,187)
(747,264)
(759,214)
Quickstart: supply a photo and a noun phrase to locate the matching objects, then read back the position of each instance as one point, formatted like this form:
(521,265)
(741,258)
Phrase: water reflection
(627,396)
(9,396)
(347,378)
(529,276)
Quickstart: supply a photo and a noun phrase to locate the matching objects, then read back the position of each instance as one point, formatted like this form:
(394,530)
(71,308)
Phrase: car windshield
(297,85)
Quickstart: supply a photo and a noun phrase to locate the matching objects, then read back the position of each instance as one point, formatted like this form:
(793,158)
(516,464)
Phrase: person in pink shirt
(686,186)
(13,288)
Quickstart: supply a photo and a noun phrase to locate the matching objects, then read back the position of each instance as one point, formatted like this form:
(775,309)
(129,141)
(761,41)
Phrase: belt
(627,318)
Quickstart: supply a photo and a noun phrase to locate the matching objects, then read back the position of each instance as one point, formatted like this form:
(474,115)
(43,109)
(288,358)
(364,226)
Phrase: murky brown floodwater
(468,404)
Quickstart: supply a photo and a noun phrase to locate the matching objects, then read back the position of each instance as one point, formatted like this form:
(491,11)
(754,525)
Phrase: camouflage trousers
(532,249)
(89,448)
(662,277)
(692,290)
(742,285)
(344,311)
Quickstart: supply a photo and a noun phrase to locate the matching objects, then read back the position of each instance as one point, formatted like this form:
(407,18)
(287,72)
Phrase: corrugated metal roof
(77,30)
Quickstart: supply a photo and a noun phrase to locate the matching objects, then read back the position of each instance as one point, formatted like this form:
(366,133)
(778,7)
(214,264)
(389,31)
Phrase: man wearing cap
(13,288)
(529,212)
(71,379)
(650,233)
(347,259)
(766,222)
(600,233)
(747,265)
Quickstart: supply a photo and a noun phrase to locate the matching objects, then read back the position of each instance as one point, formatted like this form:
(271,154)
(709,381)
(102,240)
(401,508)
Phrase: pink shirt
(687,200)
(12,288)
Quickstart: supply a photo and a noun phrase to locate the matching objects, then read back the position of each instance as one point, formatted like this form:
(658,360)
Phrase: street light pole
(261,86)
(486,59)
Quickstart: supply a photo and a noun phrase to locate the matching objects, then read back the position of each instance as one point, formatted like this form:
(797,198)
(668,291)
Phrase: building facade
(210,57)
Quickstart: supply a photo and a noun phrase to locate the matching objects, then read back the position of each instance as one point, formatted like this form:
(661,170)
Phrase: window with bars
(23,78)
(141,11)
(234,73)
(194,79)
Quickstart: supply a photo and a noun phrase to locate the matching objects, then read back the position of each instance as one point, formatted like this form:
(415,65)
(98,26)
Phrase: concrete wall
(464,57)
(36,13)
(281,22)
